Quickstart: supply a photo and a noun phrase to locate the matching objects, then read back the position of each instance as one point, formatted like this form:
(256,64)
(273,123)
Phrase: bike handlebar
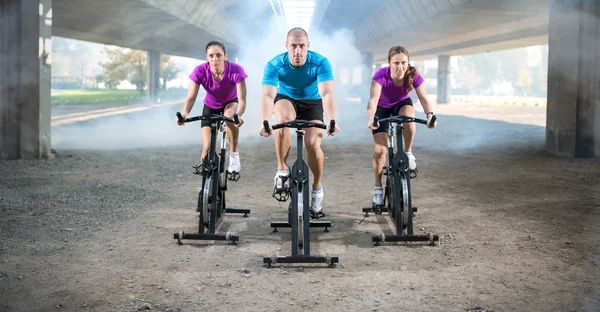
(209,117)
(298,124)
(401,119)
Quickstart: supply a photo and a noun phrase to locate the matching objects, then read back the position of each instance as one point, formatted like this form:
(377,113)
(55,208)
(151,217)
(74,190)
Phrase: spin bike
(298,218)
(397,193)
(211,197)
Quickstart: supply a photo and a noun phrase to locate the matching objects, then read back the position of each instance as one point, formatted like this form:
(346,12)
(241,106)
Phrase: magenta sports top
(218,94)
(390,93)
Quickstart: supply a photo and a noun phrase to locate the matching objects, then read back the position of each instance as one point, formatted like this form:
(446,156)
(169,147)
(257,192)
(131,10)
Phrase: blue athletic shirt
(298,83)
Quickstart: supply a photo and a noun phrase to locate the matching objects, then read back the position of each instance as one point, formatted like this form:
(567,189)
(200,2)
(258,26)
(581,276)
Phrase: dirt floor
(93,230)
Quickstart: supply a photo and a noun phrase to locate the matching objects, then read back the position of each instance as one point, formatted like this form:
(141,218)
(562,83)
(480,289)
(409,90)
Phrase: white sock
(282,171)
(234,154)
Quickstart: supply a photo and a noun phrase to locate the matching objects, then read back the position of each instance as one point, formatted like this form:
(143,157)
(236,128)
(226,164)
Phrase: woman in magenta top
(225,87)
(389,96)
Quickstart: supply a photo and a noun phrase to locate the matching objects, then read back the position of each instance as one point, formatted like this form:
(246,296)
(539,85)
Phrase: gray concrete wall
(573,119)
(25,84)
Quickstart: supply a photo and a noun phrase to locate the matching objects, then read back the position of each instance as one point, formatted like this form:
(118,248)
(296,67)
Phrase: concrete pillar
(153,73)
(443,79)
(25,47)
(573,110)
(366,72)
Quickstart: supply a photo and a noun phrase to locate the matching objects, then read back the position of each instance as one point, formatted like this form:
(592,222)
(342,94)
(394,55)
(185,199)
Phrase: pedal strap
(414,173)
(316,215)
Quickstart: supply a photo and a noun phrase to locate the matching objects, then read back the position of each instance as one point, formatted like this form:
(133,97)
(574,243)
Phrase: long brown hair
(411,71)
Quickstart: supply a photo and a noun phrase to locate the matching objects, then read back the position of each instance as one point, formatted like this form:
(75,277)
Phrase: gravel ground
(92,230)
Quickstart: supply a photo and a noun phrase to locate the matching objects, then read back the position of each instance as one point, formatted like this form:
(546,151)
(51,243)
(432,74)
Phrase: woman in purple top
(225,87)
(389,96)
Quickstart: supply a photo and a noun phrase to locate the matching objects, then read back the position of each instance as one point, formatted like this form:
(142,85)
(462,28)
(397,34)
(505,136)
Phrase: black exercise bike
(211,197)
(397,193)
(299,190)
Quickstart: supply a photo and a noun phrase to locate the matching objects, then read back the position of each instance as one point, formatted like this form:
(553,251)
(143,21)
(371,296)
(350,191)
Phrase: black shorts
(208,110)
(305,109)
(389,112)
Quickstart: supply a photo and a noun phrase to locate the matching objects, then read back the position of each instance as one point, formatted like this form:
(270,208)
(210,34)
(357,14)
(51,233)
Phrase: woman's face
(398,64)
(216,57)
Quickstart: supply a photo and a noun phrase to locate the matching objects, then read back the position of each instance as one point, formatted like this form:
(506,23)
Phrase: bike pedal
(377,209)
(198,170)
(316,215)
(281,195)
(233,176)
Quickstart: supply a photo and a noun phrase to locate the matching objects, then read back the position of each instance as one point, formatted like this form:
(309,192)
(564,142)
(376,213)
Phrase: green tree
(126,64)
(168,70)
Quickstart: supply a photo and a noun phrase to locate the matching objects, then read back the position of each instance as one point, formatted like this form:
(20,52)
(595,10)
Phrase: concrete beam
(25,60)
(573,109)
(527,33)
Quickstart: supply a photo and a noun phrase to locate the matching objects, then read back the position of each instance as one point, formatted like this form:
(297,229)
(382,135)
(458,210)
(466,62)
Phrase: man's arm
(266,102)
(326,92)
(266,106)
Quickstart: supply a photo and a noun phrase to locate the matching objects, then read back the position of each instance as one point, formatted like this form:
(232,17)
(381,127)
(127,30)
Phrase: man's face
(297,47)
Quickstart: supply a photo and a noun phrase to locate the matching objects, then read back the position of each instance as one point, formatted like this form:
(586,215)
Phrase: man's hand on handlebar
(265,129)
(334,131)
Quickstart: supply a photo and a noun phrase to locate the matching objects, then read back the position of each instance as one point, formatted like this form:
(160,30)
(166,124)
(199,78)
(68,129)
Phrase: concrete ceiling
(176,27)
(427,28)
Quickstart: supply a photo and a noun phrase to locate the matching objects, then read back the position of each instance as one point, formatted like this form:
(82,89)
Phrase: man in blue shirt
(298,84)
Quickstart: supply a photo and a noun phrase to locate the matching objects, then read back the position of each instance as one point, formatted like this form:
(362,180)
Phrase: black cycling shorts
(389,112)
(305,109)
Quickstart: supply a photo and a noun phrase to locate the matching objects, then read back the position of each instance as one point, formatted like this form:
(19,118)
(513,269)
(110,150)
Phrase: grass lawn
(107,96)
(75,97)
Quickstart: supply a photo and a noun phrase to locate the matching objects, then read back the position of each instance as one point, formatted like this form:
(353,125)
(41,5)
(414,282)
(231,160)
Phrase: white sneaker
(412,164)
(378,196)
(234,162)
(280,176)
(317,200)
